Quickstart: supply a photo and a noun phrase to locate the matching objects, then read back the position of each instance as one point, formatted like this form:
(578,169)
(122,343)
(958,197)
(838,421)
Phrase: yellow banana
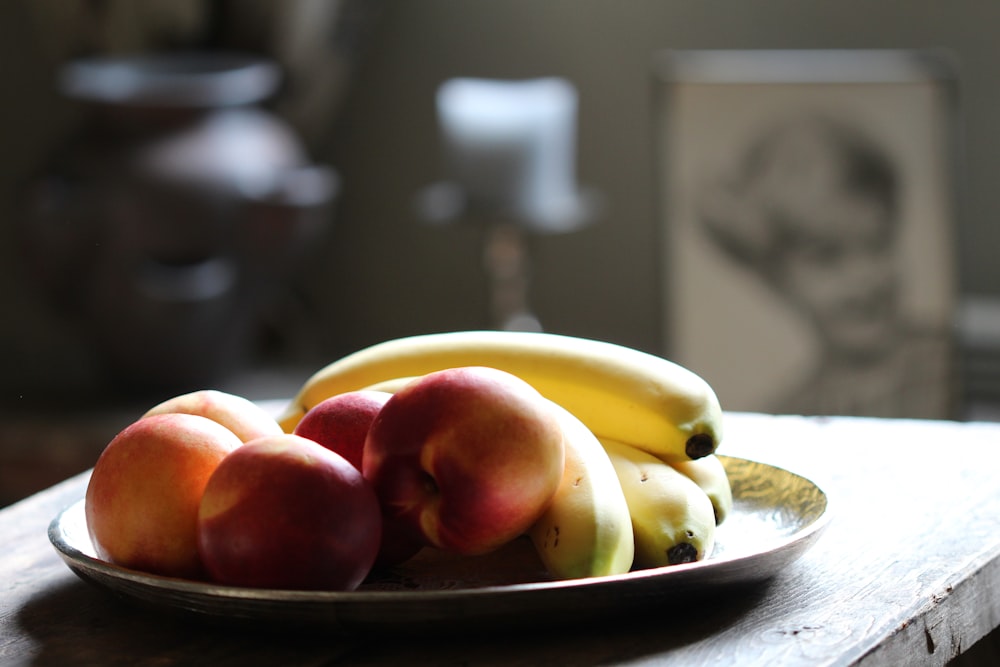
(391,385)
(618,392)
(587,529)
(672,518)
(710,475)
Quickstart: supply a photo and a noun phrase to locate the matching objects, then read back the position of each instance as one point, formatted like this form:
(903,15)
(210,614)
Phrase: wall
(602,281)
(384,274)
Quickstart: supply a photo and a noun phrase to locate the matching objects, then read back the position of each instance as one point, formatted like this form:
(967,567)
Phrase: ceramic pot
(175,215)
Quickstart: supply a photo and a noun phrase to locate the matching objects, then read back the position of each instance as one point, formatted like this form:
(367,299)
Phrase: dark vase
(177,213)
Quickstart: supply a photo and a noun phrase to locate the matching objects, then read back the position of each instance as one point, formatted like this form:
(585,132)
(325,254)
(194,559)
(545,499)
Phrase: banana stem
(699,445)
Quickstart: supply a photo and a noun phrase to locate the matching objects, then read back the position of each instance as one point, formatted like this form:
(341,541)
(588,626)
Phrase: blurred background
(237,222)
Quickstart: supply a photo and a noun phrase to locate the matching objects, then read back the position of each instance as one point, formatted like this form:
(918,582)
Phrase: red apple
(340,423)
(240,415)
(143,496)
(468,458)
(285,512)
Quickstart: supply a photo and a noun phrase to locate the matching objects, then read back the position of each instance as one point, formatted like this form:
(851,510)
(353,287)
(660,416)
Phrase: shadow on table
(984,653)
(77,624)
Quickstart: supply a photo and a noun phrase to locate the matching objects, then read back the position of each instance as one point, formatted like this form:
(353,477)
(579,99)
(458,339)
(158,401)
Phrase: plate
(777,515)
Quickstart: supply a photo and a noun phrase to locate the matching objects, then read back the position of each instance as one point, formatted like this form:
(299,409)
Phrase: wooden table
(907,573)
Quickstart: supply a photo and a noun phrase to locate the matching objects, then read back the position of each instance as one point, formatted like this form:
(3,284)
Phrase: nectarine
(340,423)
(240,415)
(143,495)
(467,457)
(285,512)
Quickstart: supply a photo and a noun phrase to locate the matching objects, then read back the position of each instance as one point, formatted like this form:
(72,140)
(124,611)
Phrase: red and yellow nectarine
(240,415)
(143,496)
(467,457)
(340,423)
(285,512)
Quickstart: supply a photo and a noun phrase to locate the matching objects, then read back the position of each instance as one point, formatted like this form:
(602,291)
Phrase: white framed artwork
(808,210)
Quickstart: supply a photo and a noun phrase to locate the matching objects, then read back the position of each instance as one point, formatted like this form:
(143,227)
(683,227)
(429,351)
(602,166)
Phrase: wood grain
(907,573)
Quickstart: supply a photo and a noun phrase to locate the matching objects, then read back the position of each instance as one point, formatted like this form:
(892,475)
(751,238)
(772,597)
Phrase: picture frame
(807,204)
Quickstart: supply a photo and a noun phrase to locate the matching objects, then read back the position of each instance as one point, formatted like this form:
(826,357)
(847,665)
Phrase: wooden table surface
(907,573)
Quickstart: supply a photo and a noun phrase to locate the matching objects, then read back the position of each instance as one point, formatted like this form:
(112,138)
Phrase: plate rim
(77,560)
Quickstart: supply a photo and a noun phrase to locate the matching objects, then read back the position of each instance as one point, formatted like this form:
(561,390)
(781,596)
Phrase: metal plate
(777,515)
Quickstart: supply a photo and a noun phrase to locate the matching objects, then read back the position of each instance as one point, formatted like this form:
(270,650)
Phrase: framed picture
(808,208)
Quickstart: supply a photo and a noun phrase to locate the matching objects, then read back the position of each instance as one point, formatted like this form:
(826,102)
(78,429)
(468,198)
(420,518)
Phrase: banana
(672,518)
(710,475)
(587,529)
(618,392)
(391,385)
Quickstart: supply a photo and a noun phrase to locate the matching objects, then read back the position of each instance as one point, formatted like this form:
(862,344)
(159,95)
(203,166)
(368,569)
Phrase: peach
(467,457)
(143,495)
(240,415)
(285,512)
(340,423)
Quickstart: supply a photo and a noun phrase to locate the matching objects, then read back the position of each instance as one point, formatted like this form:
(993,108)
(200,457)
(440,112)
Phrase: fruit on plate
(618,392)
(709,474)
(240,415)
(285,512)
(142,498)
(467,457)
(672,518)
(340,423)
(587,529)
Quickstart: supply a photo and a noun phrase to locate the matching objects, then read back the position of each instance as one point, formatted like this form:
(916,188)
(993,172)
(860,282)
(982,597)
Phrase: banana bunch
(673,518)
(618,392)
(641,486)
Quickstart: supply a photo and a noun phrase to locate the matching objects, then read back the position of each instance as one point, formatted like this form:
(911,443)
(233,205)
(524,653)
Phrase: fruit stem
(682,552)
(699,445)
